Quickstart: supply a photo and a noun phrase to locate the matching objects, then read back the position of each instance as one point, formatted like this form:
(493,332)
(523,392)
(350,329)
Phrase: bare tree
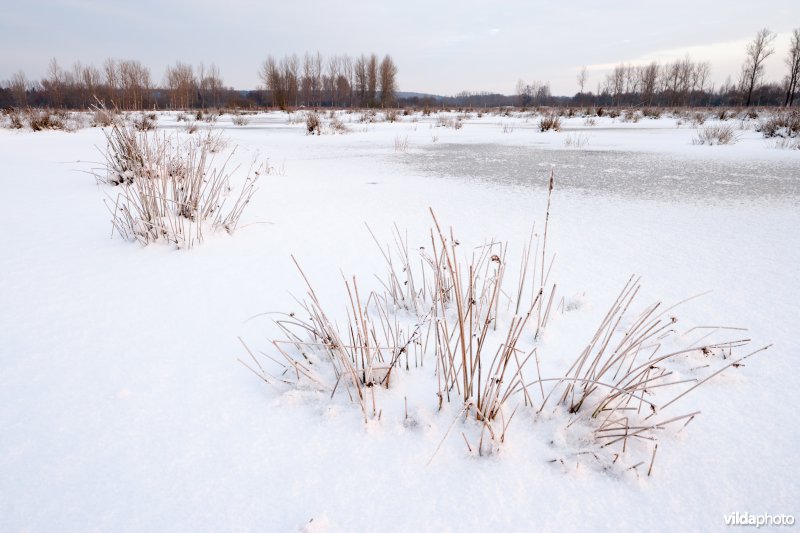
(54,84)
(210,86)
(372,79)
(182,85)
(388,81)
(758,50)
(344,84)
(306,82)
(19,89)
(316,78)
(135,83)
(270,75)
(360,77)
(648,78)
(91,81)
(290,66)
(111,72)
(582,78)
(793,62)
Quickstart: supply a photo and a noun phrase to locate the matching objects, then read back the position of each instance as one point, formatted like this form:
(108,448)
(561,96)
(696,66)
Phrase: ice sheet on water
(642,175)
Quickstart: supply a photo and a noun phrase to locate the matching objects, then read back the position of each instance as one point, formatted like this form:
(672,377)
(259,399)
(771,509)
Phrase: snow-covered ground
(123,406)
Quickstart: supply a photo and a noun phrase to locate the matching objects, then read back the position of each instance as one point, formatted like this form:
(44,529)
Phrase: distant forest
(343,81)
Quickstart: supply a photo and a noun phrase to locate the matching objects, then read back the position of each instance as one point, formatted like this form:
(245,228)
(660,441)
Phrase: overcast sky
(440,47)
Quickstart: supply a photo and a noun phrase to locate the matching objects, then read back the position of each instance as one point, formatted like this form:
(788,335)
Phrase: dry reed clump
(787,143)
(631,115)
(698,118)
(335,125)
(446,121)
(168,190)
(102,117)
(652,112)
(464,312)
(15,121)
(619,393)
(401,144)
(716,134)
(145,121)
(784,124)
(550,121)
(313,123)
(43,119)
(240,120)
(576,140)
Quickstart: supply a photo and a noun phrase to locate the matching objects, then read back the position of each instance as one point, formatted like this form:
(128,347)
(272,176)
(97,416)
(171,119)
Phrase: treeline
(338,81)
(129,85)
(686,83)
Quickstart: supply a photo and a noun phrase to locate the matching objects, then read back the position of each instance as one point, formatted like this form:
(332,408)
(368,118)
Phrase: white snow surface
(123,406)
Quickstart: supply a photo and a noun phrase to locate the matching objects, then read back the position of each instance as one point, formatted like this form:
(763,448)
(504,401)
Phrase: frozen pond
(644,175)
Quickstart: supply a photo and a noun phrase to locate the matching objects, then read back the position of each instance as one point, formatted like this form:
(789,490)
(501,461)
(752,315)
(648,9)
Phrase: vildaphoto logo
(758,520)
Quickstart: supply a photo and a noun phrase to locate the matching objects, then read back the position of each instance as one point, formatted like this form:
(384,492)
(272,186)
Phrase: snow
(123,406)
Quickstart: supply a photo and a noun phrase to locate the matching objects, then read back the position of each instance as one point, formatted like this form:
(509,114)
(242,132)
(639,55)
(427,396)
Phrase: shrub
(629,115)
(313,123)
(102,117)
(15,119)
(445,121)
(711,135)
(240,120)
(337,126)
(145,122)
(44,119)
(550,121)
(781,124)
(698,118)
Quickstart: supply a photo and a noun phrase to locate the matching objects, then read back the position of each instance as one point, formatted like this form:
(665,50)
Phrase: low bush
(711,135)
(313,123)
(784,124)
(550,121)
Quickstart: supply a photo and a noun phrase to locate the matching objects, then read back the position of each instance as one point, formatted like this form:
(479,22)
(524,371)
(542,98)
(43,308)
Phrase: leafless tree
(135,83)
(648,78)
(582,78)
(793,62)
(372,79)
(182,85)
(290,66)
(19,89)
(316,79)
(210,86)
(306,81)
(758,50)
(388,81)
(111,73)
